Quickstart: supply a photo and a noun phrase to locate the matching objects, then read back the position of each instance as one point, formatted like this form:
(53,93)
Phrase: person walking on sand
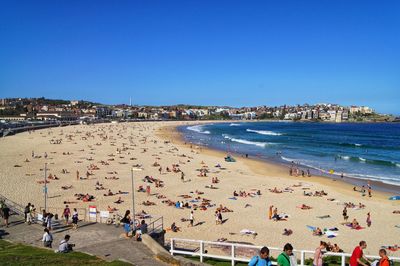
(191,219)
(345,217)
(369,222)
(77,175)
(355,259)
(369,189)
(270,212)
(182,176)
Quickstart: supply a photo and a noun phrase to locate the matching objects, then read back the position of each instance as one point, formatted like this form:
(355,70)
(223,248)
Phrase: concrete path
(104,241)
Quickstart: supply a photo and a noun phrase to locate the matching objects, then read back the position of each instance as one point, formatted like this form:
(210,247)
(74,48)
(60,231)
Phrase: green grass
(18,254)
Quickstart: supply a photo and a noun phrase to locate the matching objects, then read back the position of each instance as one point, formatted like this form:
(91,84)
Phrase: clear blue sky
(236,53)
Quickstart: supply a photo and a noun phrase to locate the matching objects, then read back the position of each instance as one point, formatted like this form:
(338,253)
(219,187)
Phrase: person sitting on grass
(64,246)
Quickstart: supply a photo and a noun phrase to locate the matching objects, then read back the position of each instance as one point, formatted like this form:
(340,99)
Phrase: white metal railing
(229,251)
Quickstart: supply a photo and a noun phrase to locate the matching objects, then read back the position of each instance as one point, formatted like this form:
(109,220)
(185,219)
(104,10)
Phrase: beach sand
(144,143)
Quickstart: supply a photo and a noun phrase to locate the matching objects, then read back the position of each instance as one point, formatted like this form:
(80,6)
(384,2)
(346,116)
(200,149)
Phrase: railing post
(343,262)
(302,257)
(172,247)
(233,254)
(201,250)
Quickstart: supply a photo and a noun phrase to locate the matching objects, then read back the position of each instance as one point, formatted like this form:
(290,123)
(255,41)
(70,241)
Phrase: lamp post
(45,187)
(133,193)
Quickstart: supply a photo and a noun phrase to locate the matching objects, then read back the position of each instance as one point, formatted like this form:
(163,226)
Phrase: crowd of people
(287,258)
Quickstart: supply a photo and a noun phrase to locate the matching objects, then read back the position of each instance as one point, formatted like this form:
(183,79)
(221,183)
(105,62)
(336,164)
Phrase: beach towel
(311,228)
(248,232)
(357,228)
(330,234)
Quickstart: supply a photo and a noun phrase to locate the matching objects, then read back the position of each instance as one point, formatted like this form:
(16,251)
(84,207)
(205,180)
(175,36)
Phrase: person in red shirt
(384,261)
(355,259)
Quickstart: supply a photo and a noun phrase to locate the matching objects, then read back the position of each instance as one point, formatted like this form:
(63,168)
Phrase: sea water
(365,151)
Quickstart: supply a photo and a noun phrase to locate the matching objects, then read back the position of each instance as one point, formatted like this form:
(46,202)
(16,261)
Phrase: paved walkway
(104,241)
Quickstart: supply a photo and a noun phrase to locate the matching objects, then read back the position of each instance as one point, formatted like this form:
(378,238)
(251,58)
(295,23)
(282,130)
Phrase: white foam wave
(234,125)
(198,129)
(387,180)
(248,142)
(362,159)
(358,145)
(264,132)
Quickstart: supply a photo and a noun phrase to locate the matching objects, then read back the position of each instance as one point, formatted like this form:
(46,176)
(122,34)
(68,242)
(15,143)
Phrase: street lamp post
(133,194)
(45,187)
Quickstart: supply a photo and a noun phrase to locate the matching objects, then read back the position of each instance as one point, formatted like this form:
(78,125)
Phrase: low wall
(163,255)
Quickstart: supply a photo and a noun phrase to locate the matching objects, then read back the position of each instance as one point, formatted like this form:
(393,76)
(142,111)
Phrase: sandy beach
(105,153)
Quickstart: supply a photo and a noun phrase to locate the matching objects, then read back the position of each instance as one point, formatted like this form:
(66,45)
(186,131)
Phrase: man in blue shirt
(262,259)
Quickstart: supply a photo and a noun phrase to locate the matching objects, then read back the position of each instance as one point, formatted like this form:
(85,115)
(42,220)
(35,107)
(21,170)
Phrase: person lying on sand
(215,180)
(112,178)
(66,187)
(70,202)
(109,193)
(148,203)
(119,201)
(287,232)
(275,190)
(317,232)
(211,187)
(396,211)
(305,207)
(111,209)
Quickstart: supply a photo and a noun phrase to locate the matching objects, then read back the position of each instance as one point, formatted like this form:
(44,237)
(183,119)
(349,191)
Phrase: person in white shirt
(191,219)
(64,246)
(47,238)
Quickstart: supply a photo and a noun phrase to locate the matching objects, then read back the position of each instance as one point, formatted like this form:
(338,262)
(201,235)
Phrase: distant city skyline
(203,53)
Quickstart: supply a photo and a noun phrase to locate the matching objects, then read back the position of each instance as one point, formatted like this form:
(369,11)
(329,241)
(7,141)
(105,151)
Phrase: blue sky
(236,53)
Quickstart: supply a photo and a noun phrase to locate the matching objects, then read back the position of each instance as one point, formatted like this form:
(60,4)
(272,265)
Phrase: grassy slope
(18,254)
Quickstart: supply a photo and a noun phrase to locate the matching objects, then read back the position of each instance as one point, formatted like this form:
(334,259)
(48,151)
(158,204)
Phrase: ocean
(362,151)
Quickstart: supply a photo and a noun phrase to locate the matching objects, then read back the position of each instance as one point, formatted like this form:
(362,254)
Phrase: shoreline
(381,190)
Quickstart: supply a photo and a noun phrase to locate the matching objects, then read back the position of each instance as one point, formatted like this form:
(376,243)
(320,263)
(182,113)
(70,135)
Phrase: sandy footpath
(115,148)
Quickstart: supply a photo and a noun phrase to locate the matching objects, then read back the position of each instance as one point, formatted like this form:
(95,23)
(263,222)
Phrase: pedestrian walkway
(104,241)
